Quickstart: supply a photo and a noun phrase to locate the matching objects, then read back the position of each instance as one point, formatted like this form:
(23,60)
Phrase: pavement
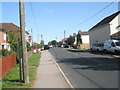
(48,73)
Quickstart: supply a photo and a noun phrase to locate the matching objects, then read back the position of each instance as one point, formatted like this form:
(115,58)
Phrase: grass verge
(11,80)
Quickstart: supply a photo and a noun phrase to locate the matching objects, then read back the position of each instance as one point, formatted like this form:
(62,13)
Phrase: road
(87,70)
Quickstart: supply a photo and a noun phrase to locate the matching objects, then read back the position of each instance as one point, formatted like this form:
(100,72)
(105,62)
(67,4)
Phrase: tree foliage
(53,42)
(42,42)
(70,41)
(13,40)
(38,45)
(79,39)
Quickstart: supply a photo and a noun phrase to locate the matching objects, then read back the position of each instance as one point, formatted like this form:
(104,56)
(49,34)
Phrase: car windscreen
(118,43)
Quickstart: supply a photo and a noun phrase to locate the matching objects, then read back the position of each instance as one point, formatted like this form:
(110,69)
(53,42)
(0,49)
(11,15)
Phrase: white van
(112,46)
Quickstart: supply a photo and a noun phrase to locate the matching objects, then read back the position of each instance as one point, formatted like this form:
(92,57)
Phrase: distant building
(29,39)
(84,36)
(85,39)
(63,41)
(108,28)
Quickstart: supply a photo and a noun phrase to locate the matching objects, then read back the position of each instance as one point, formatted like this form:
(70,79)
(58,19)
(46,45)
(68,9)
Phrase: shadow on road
(101,64)
(95,52)
(78,50)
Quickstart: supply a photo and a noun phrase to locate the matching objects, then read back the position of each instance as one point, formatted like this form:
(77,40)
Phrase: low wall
(7,63)
(84,46)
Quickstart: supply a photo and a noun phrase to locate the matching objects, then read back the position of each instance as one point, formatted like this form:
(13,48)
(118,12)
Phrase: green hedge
(5,52)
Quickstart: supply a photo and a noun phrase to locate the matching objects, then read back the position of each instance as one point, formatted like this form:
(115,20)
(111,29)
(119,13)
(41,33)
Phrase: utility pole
(32,35)
(56,38)
(64,33)
(41,37)
(24,48)
(38,38)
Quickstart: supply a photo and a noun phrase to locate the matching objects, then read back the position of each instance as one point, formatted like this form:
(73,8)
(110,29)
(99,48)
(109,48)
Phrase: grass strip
(11,80)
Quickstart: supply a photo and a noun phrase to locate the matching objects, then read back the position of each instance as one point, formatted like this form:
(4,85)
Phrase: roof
(9,27)
(106,20)
(83,32)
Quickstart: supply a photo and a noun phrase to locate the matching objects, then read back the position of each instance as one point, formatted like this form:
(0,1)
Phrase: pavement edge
(66,79)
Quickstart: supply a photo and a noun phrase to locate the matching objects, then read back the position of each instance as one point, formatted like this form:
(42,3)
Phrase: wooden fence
(7,63)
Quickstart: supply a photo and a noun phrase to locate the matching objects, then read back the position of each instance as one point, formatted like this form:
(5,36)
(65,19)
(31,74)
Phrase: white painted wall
(114,24)
(4,36)
(100,34)
(85,39)
(75,40)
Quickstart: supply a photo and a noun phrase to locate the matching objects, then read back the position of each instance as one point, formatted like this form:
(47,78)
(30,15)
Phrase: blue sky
(51,18)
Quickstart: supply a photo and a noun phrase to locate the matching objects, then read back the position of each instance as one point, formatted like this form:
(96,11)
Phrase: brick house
(4,28)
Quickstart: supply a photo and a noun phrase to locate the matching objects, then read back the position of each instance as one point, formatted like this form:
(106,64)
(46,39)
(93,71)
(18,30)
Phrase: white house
(108,28)
(84,36)
(85,39)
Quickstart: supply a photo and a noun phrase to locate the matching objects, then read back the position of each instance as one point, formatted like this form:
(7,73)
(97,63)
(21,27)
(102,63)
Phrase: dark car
(46,47)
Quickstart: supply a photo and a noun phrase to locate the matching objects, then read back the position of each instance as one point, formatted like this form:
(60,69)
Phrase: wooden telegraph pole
(24,48)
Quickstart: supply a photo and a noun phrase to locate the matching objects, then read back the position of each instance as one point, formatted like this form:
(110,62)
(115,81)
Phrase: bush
(29,48)
(5,52)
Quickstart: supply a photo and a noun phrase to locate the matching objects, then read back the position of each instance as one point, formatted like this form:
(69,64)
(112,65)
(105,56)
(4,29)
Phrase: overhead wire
(84,21)
(92,15)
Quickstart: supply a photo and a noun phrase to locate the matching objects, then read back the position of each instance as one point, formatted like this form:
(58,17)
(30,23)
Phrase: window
(118,43)
(112,44)
(2,46)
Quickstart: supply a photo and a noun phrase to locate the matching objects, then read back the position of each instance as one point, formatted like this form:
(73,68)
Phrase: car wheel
(116,52)
(91,50)
(105,51)
(98,50)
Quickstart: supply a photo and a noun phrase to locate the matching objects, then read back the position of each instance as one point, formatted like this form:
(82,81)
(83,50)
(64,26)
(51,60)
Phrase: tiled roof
(9,27)
(83,33)
(106,20)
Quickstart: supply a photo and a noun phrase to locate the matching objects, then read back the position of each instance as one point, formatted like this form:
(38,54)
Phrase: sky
(50,19)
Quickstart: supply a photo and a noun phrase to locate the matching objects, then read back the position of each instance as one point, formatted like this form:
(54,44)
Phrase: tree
(13,40)
(49,43)
(28,47)
(70,41)
(53,42)
(38,45)
(79,39)
(42,42)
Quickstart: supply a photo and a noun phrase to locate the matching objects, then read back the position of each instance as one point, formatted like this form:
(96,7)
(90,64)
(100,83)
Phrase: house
(85,39)
(108,28)
(10,27)
(29,39)
(63,41)
(84,36)
(4,29)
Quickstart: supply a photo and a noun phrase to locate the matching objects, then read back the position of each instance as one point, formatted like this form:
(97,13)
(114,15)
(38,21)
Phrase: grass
(11,80)
(32,60)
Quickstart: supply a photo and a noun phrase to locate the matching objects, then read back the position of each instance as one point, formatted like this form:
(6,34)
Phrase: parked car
(112,46)
(64,46)
(93,47)
(97,47)
(35,49)
(100,47)
(51,46)
(46,47)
